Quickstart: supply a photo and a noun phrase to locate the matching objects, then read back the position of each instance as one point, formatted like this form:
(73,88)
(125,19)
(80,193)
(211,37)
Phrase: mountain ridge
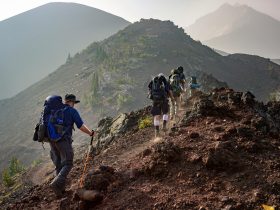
(222,153)
(55,4)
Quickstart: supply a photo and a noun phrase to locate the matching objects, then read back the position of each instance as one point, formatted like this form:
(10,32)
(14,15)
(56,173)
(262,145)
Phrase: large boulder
(100,179)
(109,128)
(119,124)
(221,158)
(161,156)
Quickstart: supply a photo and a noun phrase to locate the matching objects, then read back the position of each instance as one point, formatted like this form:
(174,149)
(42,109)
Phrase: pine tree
(95,85)
(68,58)
(15,166)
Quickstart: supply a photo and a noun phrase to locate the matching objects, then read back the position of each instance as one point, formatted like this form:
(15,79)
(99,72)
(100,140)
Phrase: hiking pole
(88,157)
(83,194)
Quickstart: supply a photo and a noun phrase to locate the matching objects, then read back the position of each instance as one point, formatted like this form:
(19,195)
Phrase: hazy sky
(182,12)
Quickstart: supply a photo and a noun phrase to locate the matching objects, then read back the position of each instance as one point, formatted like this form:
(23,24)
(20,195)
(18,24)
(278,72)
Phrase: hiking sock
(165,117)
(156,124)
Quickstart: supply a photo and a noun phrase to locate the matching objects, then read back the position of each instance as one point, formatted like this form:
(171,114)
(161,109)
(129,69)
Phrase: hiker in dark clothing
(61,151)
(159,89)
(180,70)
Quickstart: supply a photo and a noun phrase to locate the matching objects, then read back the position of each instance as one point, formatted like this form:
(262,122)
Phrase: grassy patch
(145,122)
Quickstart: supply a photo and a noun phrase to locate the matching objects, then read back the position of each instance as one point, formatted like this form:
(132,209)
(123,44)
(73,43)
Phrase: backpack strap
(66,127)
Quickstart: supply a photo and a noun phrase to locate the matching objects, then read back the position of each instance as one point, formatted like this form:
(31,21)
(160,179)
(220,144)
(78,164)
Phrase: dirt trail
(42,173)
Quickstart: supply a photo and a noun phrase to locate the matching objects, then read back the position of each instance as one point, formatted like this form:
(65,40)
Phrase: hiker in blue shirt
(194,86)
(62,151)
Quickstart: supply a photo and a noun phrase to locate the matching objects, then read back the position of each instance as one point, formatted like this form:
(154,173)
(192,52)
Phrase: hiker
(61,151)
(159,92)
(176,89)
(193,85)
(182,77)
(180,71)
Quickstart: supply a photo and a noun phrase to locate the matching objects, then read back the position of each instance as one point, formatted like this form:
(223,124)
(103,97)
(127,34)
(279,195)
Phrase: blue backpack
(52,120)
(56,127)
(193,83)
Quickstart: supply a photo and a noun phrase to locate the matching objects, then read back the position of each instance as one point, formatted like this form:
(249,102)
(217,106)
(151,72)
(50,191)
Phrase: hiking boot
(164,127)
(56,189)
(156,133)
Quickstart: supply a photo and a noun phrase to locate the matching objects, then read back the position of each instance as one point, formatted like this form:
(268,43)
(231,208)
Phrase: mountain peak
(225,6)
(236,6)
(238,28)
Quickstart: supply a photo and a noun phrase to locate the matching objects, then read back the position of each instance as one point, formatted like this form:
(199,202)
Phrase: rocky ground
(223,154)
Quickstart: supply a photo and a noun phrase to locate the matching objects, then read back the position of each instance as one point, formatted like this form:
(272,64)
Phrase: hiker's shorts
(160,108)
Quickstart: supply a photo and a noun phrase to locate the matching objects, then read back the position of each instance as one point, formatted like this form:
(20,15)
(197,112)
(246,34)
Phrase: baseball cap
(71,97)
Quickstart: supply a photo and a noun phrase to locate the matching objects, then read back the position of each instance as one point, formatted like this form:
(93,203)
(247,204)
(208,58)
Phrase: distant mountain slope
(112,76)
(36,42)
(239,29)
(221,52)
(276,61)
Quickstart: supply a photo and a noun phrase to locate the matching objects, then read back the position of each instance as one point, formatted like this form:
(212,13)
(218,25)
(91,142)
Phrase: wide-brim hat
(71,97)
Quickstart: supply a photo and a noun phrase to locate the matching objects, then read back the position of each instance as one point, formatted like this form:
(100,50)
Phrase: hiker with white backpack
(176,88)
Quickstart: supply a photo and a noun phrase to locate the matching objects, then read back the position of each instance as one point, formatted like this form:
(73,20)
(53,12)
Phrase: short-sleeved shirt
(71,117)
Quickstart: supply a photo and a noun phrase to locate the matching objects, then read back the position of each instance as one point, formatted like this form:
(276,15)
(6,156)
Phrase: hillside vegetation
(111,76)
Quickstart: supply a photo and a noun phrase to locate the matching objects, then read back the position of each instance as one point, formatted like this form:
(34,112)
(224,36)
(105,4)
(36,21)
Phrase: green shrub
(36,162)
(145,122)
(15,167)
(7,178)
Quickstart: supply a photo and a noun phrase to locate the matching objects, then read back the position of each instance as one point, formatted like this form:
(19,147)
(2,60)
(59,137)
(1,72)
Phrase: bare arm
(86,130)
(171,95)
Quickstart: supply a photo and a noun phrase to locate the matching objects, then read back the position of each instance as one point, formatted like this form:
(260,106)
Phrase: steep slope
(239,29)
(36,42)
(224,154)
(112,76)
